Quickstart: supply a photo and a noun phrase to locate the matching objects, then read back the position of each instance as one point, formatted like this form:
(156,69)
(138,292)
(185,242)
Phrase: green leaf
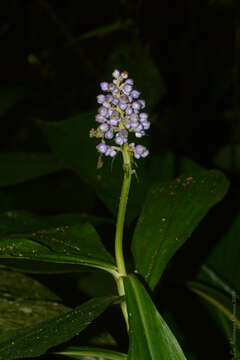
(221,272)
(78,244)
(14,222)
(160,168)
(92,353)
(150,337)
(224,257)
(24,302)
(188,166)
(36,340)
(51,194)
(19,167)
(69,140)
(224,308)
(171,212)
(218,299)
(18,285)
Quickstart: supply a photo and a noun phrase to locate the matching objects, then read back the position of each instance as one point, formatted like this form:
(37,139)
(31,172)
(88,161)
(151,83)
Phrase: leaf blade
(97,353)
(150,337)
(36,340)
(78,244)
(18,167)
(171,212)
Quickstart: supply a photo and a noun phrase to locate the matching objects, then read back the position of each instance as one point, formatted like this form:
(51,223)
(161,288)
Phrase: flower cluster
(119,114)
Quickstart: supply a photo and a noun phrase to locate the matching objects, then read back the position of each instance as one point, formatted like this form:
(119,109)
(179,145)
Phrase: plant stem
(120,226)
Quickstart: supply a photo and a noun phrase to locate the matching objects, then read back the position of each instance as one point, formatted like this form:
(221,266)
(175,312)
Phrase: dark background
(60,51)
(184,57)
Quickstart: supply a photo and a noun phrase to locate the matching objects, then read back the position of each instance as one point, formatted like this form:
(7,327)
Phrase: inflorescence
(119,114)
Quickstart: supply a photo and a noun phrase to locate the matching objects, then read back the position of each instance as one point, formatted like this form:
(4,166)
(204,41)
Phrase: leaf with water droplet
(171,212)
(36,340)
(73,245)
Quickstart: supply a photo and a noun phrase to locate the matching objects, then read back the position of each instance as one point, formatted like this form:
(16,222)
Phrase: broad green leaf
(33,266)
(171,212)
(150,337)
(160,167)
(102,339)
(24,302)
(77,244)
(56,193)
(20,167)
(36,340)
(92,353)
(69,140)
(18,285)
(188,166)
(14,222)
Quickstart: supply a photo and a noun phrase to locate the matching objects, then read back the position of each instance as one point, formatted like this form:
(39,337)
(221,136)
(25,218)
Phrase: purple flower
(143,116)
(100,99)
(104,86)
(123,106)
(127,89)
(115,101)
(134,117)
(103,111)
(110,152)
(107,105)
(119,116)
(140,151)
(113,88)
(102,148)
(101,119)
(129,81)
(109,135)
(104,127)
(121,137)
(136,105)
(129,110)
(135,94)
(146,125)
(113,122)
(142,103)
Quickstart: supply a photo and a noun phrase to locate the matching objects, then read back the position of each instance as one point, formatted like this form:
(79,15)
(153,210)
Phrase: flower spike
(120,116)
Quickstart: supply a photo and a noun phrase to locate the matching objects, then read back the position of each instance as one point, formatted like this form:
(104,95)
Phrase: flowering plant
(170,212)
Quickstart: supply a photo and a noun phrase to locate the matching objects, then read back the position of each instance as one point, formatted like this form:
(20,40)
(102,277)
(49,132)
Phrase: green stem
(120,226)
